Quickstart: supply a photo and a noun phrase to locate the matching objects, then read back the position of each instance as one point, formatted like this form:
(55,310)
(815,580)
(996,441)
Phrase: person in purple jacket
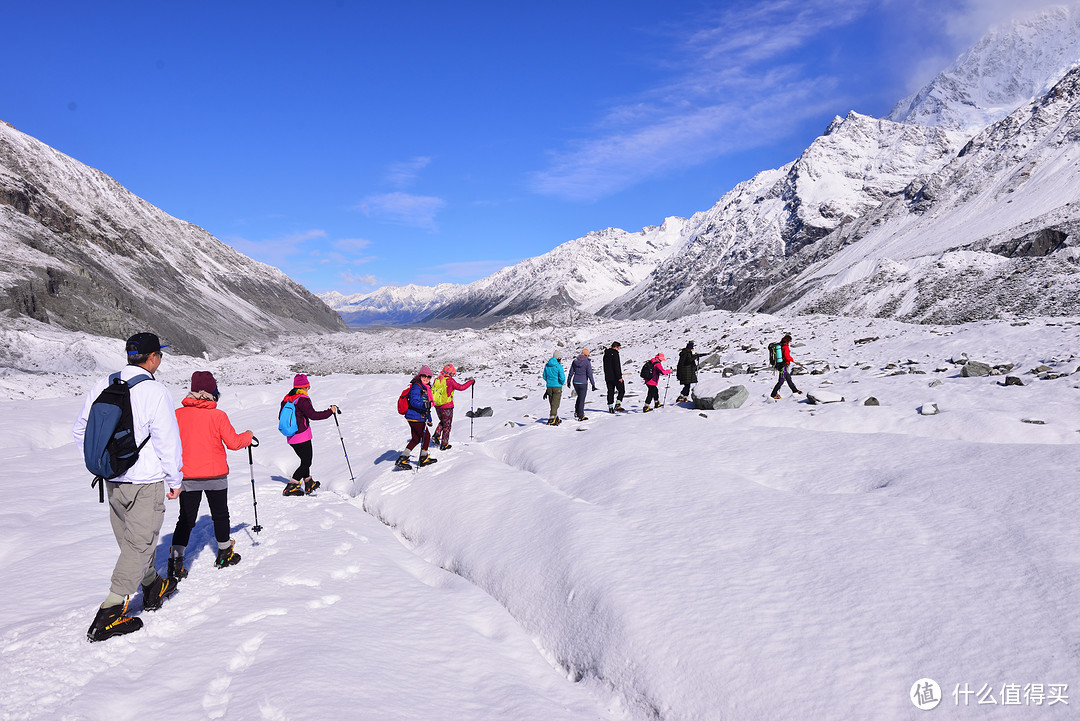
(300,441)
(580,376)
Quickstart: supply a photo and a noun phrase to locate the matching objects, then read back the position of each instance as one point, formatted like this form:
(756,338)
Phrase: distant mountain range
(961,204)
(80,251)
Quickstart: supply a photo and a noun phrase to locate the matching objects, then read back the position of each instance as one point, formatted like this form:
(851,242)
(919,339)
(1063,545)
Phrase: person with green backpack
(443,389)
(780,355)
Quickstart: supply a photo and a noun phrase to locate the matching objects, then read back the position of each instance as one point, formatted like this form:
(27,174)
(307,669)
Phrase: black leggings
(652,395)
(304,451)
(189,512)
(784,376)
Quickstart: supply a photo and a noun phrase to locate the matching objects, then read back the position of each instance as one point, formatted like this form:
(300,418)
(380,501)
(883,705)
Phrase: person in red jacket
(784,369)
(205,433)
(443,397)
(300,441)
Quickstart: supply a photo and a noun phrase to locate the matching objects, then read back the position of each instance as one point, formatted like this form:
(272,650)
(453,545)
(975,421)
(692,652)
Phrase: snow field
(779,561)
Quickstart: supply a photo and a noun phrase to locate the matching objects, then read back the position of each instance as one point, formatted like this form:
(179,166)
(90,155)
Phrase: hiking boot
(582,418)
(310,485)
(176,568)
(227,556)
(681,399)
(155,593)
(426,460)
(646,409)
(619,408)
(798,392)
(402,462)
(445,447)
(293,488)
(611,409)
(775,396)
(112,621)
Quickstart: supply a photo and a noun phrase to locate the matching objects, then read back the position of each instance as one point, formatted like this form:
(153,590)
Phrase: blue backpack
(109,447)
(287,420)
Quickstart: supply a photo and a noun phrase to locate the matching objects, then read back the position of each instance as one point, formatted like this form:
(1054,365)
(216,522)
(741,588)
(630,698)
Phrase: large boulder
(818,397)
(708,396)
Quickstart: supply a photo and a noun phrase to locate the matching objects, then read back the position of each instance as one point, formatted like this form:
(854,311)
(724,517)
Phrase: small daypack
(287,423)
(647,371)
(442,397)
(109,447)
(776,355)
(403,401)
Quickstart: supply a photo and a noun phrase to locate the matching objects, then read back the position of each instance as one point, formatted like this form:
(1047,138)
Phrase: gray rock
(1033,421)
(1041,369)
(479,413)
(929,409)
(1013,381)
(935,383)
(974,369)
(871,401)
(731,398)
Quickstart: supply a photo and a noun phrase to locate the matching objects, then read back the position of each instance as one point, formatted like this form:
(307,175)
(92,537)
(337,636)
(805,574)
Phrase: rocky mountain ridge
(80,251)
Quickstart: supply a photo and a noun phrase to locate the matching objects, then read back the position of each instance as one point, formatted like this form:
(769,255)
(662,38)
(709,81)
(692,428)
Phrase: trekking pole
(351,476)
(666,386)
(251,464)
(472,404)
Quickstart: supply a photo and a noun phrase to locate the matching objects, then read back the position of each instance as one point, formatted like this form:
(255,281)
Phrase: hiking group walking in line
(183,451)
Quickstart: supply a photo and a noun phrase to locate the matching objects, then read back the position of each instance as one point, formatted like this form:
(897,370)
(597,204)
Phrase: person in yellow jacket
(443,388)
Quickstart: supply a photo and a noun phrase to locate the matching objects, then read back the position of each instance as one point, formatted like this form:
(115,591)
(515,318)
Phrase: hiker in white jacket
(137,497)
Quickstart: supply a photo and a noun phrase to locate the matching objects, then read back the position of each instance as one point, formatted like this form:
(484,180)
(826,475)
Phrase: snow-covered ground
(778,561)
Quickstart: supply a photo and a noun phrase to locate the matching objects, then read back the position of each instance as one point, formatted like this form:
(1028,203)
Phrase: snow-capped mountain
(582,274)
(81,251)
(995,232)
(769,244)
(391,304)
(1010,66)
(733,250)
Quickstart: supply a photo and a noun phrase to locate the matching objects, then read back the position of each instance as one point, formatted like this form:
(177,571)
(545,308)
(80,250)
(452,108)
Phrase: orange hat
(449,369)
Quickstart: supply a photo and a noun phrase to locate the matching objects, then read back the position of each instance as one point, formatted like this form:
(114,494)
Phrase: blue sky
(359,144)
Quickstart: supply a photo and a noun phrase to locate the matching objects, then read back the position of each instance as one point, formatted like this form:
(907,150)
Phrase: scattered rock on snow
(929,409)
(871,401)
(1012,381)
(974,369)
(936,382)
(705,399)
(479,413)
(818,397)
(1033,421)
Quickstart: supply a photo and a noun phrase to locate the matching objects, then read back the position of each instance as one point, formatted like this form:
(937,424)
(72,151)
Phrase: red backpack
(403,401)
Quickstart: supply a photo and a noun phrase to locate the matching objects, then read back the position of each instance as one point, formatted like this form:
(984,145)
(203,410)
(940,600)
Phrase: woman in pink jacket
(300,441)
(654,382)
(443,389)
(205,433)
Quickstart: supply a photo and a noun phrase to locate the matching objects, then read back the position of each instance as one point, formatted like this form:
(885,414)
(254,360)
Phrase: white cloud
(403,208)
(403,174)
(278,252)
(353,280)
(736,88)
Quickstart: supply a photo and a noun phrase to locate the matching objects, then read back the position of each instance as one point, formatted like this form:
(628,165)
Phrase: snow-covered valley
(781,560)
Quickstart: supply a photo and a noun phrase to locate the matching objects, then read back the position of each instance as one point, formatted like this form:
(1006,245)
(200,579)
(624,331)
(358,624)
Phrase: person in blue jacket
(419,418)
(554,377)
(581,377)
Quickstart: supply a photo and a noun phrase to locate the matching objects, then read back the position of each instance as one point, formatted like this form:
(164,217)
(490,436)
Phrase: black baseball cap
(144,344)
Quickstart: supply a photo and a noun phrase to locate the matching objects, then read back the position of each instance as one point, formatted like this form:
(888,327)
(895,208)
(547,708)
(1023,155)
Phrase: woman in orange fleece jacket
(205,432)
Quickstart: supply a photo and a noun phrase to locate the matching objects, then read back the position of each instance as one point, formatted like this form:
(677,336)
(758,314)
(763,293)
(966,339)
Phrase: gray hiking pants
(554,396)
(136,511)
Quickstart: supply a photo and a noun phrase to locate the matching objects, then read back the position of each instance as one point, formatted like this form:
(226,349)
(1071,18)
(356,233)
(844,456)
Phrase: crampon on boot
(112,621)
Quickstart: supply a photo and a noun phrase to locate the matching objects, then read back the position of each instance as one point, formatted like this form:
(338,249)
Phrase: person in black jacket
(686,370)
(614,378)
